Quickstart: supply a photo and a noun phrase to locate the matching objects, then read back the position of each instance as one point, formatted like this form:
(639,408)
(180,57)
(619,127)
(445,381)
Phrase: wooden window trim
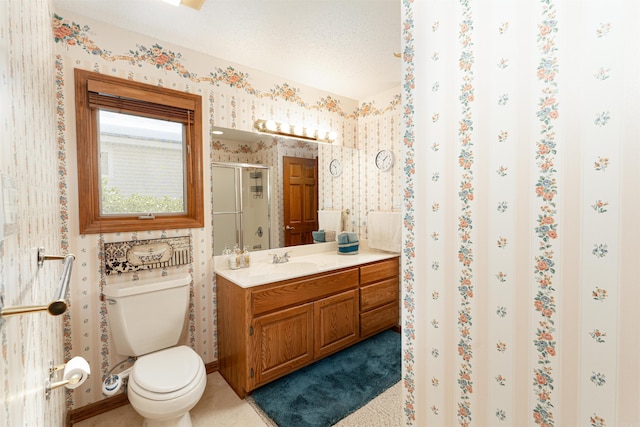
(91,220)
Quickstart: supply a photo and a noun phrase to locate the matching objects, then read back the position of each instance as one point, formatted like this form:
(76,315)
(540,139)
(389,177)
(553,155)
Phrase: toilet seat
(166,374)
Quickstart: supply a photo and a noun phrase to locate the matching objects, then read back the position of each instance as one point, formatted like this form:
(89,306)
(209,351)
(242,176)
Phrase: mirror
(238,156)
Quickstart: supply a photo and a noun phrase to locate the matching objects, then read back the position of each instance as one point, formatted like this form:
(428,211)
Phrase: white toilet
(146,318)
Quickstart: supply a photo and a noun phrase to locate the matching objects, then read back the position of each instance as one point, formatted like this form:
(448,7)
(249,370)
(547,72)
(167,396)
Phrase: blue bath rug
(325,392)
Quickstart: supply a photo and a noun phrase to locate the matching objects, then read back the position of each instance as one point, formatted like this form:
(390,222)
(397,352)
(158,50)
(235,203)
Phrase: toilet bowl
(164,386)
(147,318)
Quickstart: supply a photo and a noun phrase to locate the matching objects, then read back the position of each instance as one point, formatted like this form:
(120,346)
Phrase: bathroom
(544,329)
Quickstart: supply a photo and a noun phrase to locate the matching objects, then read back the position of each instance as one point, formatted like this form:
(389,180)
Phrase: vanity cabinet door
(335,322)
(281,342)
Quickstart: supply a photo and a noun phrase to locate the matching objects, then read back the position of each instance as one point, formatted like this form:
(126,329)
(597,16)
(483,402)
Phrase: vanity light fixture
(294,131)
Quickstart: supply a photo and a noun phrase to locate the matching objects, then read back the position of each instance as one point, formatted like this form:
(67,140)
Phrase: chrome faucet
(279,260)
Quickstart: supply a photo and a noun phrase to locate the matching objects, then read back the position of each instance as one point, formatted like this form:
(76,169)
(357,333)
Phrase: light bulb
(285,128)
(271,125)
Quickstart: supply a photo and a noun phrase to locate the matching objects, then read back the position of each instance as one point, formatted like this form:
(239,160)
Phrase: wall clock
(335,167)
(384,160)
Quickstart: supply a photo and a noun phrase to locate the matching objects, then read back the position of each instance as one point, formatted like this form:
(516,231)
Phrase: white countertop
(303,261)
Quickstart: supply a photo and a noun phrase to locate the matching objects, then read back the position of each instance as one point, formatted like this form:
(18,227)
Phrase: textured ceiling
(343,47)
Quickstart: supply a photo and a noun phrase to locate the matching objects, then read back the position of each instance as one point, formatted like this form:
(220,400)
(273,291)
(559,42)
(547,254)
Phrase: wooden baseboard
(211,367)
(113,402)
(96,408)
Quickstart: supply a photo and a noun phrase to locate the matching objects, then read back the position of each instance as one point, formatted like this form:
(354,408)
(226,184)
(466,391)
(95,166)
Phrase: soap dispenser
(246,258)
(226,251)
(231,257)
(235,259)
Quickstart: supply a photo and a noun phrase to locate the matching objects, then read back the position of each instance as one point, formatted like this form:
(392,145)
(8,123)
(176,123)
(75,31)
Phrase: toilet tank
(147,315)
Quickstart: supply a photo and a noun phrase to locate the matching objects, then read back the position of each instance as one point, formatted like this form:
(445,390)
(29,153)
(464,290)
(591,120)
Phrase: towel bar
(59,304)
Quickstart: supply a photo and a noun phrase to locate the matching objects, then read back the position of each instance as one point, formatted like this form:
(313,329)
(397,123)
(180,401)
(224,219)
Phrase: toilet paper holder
(76,372)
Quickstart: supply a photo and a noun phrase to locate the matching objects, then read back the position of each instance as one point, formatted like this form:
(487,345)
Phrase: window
(139,155)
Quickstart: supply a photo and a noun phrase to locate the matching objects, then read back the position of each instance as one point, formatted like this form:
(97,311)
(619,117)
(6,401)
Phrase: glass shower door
(227,208)
(240,206)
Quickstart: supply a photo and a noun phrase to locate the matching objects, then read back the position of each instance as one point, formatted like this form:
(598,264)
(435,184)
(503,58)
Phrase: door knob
(288,227)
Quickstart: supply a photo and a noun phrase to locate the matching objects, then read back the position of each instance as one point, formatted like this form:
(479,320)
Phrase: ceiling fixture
(194,4)
(294,131)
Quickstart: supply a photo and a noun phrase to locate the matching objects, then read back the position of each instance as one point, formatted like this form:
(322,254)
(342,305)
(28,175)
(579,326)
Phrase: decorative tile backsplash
(127,257)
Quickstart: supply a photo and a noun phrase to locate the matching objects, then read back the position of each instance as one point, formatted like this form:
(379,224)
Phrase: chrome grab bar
(59,303)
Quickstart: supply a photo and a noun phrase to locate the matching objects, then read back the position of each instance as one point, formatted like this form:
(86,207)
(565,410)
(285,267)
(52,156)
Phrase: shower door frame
(238,169)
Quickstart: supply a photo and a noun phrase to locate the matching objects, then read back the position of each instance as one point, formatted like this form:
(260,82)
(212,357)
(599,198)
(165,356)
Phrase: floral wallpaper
(546,230)
(29,163)
(70,33)
(465,213)
(520,191)
(515,140)
(379,190)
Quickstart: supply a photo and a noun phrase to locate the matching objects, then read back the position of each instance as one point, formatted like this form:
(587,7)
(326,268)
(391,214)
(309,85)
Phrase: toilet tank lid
(135,287)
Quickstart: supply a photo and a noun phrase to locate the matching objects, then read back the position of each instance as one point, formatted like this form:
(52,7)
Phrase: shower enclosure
(241,210)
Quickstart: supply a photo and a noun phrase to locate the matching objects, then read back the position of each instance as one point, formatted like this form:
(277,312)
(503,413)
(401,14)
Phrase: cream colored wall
(232,97)
(29,156)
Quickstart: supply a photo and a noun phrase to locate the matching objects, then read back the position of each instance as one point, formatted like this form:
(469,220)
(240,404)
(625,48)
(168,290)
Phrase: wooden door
(282,342)
(300,200)
(335,322)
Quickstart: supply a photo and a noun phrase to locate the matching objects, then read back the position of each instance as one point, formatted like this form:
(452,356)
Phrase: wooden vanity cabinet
(268,331)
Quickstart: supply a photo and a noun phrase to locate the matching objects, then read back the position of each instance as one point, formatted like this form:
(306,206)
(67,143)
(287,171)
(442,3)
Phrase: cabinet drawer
(379,271)
(379,319)
(302,290)
(378,294)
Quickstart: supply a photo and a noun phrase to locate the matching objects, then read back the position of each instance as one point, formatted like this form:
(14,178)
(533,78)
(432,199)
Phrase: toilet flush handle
(111,301)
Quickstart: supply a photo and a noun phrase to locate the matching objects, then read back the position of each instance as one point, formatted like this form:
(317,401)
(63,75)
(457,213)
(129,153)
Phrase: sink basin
(291,267)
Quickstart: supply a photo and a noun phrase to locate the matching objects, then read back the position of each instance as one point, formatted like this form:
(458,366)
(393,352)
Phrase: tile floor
(221,407)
